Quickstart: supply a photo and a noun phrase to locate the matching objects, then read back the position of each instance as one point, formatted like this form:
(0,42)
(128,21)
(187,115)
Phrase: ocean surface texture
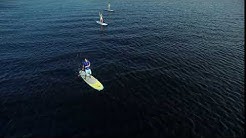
(169,68)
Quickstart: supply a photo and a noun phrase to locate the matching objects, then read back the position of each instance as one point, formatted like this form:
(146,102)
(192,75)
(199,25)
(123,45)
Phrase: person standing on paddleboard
(101,17)
(86,68)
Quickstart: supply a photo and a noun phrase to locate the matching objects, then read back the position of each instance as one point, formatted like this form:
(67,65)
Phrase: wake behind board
(92,81)
(101,23)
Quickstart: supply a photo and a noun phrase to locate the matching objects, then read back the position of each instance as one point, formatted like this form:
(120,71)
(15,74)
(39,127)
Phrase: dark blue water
(169,68)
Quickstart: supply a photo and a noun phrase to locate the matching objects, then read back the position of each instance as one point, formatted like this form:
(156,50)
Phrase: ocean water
(169,68)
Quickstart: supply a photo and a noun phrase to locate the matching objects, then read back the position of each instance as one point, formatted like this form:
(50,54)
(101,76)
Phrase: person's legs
(85,73)
(88,72)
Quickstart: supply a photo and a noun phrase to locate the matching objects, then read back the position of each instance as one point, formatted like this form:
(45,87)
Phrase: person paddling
(101,17)
(86,68)
(108,6)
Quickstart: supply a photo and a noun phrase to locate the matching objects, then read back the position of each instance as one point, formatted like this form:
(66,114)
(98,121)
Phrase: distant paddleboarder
(101,17)
(101,21)
(109,10)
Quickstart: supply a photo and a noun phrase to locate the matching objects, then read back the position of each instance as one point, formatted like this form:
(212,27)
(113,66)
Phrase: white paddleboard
(92,81)
(109,10)
(103,24)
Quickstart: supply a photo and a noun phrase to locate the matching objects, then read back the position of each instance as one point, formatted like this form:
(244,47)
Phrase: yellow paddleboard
(92,81)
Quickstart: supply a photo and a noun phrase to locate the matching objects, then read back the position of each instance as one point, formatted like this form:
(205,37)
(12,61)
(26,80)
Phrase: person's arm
(88,65)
